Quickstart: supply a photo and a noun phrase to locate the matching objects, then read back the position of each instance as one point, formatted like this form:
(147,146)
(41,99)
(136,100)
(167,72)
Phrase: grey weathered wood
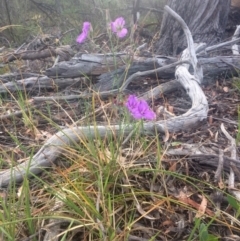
(198,72)
(212,67)
(235,47)
(219,46)
(65,52)
(17,76)
(231,178)
(87,64)
(35,83)
(205,153)
(205,19)
(199,109)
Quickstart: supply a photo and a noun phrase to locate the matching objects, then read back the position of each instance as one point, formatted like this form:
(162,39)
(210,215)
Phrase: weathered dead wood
(235,47)
(164,88)
(17,113)
(219,46)
(218,173)
(88,64)
(231,178)
(199,109)
(155,92)
(203,155)
(77,68)
(117,78)
(17,76)
(212,67)
(198,73)
(205,19)
(65,52)
(36,83)
(99,64)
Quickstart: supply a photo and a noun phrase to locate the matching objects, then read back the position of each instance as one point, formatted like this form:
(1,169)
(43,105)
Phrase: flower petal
(139,109)
(136,115)
(149,115)
(118,27)
(82,37)
(114,27)
(86,27)
(120,22)
(132,102)
(143,106)
(85,30)
(122,33)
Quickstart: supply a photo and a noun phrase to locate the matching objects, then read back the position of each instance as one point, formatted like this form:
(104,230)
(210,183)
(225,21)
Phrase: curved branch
(198,72)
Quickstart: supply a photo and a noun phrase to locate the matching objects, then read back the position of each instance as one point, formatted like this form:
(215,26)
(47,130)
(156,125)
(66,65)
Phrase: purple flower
(132,102)
(85,30)
(118,27)
(139,109)
(143,111)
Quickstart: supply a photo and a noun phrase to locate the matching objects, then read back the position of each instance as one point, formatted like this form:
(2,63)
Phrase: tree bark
(205,19)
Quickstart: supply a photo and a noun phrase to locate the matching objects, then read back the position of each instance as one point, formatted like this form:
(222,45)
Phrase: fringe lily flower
(118,27)
(139,109)
(85,30)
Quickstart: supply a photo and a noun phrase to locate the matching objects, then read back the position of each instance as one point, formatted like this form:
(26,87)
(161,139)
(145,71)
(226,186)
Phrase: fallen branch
(64,51)
(231,179)
(31,83)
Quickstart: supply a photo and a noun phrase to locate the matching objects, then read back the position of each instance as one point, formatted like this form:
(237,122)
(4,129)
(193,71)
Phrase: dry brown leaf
(202,207)
(167,223)
(173,167)
(182,197)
